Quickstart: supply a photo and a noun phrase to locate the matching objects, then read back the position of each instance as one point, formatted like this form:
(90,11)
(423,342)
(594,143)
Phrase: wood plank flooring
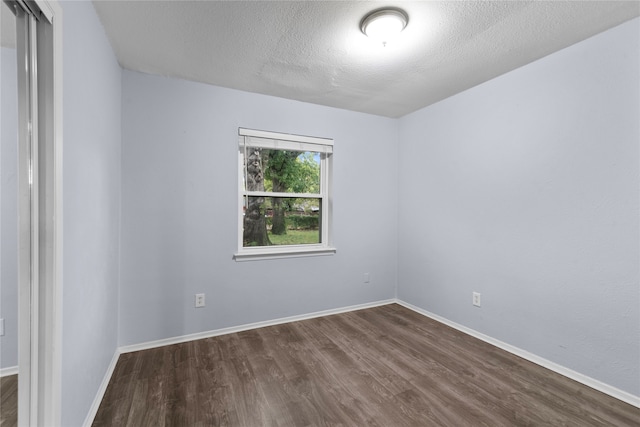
(9,401)
(384,366)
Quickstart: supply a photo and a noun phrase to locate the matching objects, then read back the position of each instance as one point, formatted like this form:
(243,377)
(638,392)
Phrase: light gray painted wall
(179,218)
(9,208)
(91,158)
(526,189)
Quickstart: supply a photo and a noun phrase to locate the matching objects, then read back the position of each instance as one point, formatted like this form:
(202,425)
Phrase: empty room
(305,213)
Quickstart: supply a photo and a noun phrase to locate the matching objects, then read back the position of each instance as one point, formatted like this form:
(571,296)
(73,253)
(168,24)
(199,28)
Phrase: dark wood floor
(9,401)
(384,366)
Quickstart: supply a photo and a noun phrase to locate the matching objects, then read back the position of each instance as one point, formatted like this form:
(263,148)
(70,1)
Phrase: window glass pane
(282,171)
(281,221)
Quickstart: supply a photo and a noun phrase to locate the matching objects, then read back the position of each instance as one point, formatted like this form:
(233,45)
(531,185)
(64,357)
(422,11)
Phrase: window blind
(283,141)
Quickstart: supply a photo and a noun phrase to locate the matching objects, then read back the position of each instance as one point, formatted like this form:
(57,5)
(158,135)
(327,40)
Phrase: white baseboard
(101,391)
(246,327)
(583,379)
(11,370)
(576,376)
(200,335)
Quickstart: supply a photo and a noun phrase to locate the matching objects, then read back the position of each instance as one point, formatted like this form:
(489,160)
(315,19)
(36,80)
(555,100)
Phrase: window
(284,198)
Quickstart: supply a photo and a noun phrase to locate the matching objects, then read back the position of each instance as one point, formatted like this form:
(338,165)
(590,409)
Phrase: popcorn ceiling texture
(313,51)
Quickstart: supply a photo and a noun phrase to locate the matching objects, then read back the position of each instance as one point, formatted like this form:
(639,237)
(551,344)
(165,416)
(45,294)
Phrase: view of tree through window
(286,205)
(284,198)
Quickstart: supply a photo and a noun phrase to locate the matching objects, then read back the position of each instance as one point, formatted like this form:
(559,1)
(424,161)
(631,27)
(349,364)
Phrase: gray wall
(179,217)
(525,189)
(9,207)
(91,157)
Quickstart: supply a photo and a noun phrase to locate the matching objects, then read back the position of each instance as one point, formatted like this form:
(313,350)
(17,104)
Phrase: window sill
(283,252)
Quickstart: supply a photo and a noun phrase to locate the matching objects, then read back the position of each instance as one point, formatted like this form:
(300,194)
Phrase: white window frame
(275,140)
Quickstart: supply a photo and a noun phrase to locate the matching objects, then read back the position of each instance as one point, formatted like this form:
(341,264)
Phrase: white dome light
(384,24)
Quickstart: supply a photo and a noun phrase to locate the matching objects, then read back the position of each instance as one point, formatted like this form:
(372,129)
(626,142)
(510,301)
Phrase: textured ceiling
(313,51)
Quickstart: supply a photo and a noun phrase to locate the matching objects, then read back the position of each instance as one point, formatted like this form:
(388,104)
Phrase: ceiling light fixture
(384,24)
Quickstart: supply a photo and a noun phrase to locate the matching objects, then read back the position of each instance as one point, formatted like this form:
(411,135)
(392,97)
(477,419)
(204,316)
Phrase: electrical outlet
(1,327)
(199,300)
(476,299)
(366,278)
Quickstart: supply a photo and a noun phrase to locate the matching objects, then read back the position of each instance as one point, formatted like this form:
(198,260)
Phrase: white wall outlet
(366,278)
(476,299)
(199,300)
(1,327)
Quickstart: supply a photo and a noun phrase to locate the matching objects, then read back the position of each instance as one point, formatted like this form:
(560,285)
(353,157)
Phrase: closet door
(38,49)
